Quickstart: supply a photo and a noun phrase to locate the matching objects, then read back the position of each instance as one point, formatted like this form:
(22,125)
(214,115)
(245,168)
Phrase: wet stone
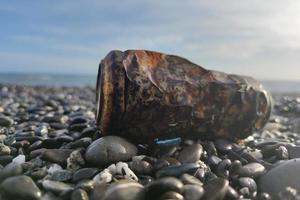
(56,155)
(278,178)
(6,121)
(192,192)
(215,189)
(124,191)
(56,186)
(61,175)
(177,170)
(108,150)
(84,173)
(189,179)
(249,183)
(172,195)
(190,154)
(4,150)
(158,187)
(252,170)
(21,187)
(79,194)
(12,169)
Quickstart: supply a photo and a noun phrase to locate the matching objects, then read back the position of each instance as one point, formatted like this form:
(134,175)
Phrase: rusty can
(144,95)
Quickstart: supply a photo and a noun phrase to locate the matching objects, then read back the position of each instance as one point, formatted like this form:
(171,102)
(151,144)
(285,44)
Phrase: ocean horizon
(77,80)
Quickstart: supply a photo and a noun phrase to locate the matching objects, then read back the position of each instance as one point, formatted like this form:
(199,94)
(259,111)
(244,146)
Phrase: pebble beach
(51,149)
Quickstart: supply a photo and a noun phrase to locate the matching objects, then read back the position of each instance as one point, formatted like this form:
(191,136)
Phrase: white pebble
(123,169)
(53,168)
(112,169)
(19,159)
(103,177)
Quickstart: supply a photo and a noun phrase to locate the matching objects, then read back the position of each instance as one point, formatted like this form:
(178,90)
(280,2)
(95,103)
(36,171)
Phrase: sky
(250,37)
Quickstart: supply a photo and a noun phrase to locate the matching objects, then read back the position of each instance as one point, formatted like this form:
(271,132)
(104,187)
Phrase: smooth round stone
(189,179)
(172,196)
(4,150)
(84,173)
(160,186)
(80,194)
(12,169)
(58,156)
(98,191)
(124,191)
(21,187)
(140,167)
(252,170)
(249,183)
(223,145)
(6,121)
(190,154)
(193,192)
(278,178)
(216,189)
(61,175)
(177,170)
(56,186)
(110,149)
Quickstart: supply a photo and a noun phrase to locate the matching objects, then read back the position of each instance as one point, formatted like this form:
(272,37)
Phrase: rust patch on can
(143,95)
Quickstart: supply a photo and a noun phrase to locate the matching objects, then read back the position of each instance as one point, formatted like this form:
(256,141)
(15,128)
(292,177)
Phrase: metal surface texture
(143,95)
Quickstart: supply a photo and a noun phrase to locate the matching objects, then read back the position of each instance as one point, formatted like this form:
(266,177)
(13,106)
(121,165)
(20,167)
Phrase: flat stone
(21,187)
(177,170)
(252,170)
(56,186)
(108,150)
(190,154)
(58,156)
(294,152)
(84,173)
(278,178)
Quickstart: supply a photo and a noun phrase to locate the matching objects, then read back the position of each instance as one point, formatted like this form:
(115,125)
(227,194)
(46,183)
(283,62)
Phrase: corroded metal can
(143,95)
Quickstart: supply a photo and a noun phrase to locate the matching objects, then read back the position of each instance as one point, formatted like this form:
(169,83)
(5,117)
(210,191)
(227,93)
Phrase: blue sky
(252,37)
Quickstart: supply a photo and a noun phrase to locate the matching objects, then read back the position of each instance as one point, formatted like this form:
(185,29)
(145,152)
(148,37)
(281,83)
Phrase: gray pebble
(21,187)
(108,150)
(192,192)
(190,154)
(252,170)
(6,121)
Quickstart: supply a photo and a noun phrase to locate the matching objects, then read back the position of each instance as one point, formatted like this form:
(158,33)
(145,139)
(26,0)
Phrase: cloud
(259,38)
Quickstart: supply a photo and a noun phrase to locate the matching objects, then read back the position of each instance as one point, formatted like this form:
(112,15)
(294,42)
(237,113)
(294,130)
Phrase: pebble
(20,159)
(177,170)
(278,178)
(79,194)
(252,170)
(6,121)
(110,149)
(124,191)
(4,150)
(158,187)
(216,189)
(12,169)
(190,154)
(249,183)
(84,173)
(193,192)
(21,187)
(58,156)
(61,175)
(56,187)
(172,195)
